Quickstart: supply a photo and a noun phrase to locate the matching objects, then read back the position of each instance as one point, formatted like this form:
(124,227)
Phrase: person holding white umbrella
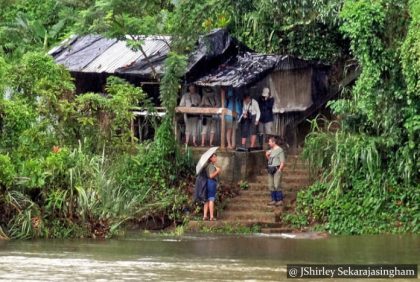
(208,162)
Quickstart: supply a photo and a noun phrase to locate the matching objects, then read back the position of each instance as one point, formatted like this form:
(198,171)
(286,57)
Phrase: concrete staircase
(250,206)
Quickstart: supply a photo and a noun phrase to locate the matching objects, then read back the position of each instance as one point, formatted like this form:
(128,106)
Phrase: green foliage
(61,157)
(244,185)
(16,118)
(359,180)
(178,231)
(304,28)
(410,60)
(90,178)
(230,229)
(175,66)
(3,72)
(156,172)
(109,117)
(22,213)
(190,19)
(7,171)
(34,25)
(361,210)
(369,168)
(38,76)
(118,18)
(295,220)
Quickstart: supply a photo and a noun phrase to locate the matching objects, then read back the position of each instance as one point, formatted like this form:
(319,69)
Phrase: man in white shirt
(190,99)
(249,120)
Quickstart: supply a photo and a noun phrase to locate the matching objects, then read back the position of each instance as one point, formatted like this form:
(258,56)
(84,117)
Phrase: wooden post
(223,122)
(234,130)
(140,129)
(176,129)
(235,117)
(132,130)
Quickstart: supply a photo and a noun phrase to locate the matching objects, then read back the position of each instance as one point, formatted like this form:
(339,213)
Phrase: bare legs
(191,128)
(211,125)
(206,210)
(229,138)
(208,206)
(187,139)
(243,142)
(203,139)
(253,140)
(211,208)
(211,139)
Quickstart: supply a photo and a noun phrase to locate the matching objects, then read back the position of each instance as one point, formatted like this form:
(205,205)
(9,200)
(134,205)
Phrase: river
(151,257)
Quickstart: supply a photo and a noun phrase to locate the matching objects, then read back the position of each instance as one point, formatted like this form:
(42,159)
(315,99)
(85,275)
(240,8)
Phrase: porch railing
(221,112)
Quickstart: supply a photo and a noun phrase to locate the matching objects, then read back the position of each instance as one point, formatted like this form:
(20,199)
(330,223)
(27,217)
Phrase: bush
(7,171)
(67,166)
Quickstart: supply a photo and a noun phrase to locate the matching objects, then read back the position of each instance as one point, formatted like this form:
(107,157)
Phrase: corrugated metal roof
(247,68)
(156,49)
(94,53)
(219,59)
(116,56)
(240,70)
(78,53)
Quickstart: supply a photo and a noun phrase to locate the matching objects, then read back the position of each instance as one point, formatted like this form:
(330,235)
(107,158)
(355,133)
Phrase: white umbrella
(204,159)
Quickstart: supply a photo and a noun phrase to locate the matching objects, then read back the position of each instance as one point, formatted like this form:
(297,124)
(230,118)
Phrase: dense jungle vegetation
(68,163)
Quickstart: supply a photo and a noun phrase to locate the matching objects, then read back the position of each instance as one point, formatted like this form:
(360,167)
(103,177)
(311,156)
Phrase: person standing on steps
(276,163)
(213,173)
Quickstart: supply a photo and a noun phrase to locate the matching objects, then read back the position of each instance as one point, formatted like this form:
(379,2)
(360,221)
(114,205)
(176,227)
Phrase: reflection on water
(209,257)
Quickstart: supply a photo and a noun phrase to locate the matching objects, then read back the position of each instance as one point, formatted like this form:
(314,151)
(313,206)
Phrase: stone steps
(301,172)
(254,216)
(263,194)
(289,169)
(260,199)
(285,188)
(264,190)
(260,206)
(250,207)
(285,179)
(194,225)
(284,185)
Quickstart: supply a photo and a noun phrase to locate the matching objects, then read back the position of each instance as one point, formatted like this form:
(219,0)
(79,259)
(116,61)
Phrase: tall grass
(360,186)
(21,226)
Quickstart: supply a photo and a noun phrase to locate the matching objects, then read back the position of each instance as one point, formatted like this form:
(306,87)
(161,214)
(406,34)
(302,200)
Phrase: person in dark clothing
(200,192)
(266,103)
(249,120)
